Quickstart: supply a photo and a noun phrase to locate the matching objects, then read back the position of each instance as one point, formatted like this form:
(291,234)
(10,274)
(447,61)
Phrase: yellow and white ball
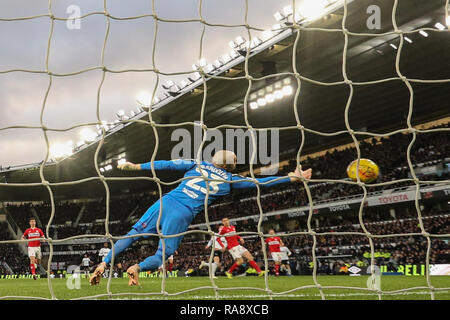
(368,170)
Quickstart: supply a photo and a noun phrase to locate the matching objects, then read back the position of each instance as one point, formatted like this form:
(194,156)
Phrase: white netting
(295,28)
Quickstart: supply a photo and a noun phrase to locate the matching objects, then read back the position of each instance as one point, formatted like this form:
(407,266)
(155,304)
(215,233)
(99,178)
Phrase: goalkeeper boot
(229,275)
(261,273)
(97,275)
(133,275)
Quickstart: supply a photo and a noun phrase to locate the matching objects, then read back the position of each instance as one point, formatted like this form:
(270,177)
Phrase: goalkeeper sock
(121,245)
(234,266)
(214,268)
(255,266)
(33,269)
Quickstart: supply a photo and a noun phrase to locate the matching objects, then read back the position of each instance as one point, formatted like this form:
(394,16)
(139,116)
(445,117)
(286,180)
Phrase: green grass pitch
(39,288)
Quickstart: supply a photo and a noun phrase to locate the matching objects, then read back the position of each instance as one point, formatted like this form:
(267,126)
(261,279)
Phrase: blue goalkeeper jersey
(192,192)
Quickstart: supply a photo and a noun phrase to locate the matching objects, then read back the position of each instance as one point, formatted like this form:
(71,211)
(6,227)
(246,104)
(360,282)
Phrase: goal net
(294,21)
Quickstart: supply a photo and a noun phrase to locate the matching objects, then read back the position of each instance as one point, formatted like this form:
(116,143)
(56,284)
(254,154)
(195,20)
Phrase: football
(368,170)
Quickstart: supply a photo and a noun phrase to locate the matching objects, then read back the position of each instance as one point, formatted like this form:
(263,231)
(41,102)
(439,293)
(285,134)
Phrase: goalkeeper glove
(129,166)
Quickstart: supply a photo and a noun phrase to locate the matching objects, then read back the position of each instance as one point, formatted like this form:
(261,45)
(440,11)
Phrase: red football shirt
(232,241)
(274,244)
(33,234)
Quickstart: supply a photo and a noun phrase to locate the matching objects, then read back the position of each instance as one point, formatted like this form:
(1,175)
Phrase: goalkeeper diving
(181,205)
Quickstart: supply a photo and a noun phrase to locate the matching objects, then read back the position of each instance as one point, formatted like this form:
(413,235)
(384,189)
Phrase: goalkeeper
(180,206)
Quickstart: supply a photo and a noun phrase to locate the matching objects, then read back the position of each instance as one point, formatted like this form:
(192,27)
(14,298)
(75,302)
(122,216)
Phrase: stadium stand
(87,216)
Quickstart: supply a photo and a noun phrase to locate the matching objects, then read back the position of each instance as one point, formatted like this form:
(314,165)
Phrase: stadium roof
(376,107)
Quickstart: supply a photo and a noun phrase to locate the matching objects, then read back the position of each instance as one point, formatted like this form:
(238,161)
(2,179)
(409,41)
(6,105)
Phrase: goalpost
(293,23)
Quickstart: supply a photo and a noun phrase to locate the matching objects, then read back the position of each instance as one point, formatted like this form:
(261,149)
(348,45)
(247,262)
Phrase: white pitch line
(279,296)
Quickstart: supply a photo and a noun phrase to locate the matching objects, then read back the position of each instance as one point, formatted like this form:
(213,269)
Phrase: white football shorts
(277,256)
(236,252)
(35,252)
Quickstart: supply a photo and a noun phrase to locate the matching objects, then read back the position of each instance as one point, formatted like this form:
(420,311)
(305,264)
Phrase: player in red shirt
(237,251)
(34,247)
(274,244)
(169,265)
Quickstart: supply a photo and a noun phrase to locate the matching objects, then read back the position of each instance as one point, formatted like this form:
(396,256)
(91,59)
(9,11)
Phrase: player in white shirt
(220,245)
(103,252)
(285,254)
(86,264)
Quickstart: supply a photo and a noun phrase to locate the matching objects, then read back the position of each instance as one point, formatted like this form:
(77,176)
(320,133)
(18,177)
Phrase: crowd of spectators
(11,255)
(403,249)
(390,153)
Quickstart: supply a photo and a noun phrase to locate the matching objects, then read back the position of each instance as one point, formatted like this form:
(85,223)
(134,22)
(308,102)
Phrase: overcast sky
(72,100)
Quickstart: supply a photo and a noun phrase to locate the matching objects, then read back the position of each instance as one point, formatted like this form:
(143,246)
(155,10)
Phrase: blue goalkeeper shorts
(175,218)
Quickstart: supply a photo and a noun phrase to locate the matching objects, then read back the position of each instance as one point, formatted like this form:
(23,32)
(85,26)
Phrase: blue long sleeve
(248,183)
(180,165)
